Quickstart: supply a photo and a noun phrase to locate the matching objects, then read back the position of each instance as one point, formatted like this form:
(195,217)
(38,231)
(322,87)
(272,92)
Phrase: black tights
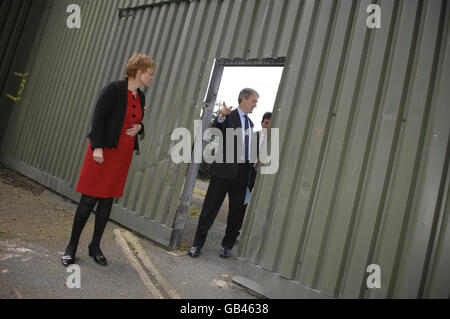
(82,214)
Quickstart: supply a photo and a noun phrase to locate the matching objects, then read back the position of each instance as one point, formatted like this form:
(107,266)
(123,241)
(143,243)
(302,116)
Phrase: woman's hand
(98,155)
(135,128)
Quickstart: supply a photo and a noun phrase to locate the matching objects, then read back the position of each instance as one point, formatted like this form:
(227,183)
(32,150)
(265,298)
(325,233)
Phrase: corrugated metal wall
(19,25)
(364,120)
(364,131)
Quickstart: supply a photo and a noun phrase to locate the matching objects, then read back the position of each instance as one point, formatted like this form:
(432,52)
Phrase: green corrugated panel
(363,118)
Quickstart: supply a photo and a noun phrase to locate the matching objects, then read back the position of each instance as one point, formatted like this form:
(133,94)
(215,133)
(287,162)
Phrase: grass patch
(199,192)
(184,246)
(194,212)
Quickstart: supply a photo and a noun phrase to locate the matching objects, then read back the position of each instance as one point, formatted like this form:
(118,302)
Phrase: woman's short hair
(247,92)
(139,61)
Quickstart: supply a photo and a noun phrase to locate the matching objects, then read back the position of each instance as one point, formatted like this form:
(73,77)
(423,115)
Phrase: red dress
(108,179)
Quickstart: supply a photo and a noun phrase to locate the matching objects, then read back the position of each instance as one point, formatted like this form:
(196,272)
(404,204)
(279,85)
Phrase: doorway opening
(228,78)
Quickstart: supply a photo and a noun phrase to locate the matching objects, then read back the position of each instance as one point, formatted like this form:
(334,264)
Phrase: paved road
(35,226)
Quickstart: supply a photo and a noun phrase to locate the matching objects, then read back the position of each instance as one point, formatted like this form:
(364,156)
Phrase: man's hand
(98,155)
(225,111)
(135,128)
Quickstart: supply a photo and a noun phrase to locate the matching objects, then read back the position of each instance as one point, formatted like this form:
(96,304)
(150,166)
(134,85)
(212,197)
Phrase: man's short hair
(247,92)
(267,115)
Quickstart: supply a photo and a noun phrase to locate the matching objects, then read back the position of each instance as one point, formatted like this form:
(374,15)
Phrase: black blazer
(109,114)
(228,170)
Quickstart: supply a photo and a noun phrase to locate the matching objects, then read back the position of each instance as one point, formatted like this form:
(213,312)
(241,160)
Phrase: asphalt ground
(35,225)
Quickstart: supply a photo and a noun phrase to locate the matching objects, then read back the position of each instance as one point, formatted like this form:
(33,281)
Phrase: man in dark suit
(228,176)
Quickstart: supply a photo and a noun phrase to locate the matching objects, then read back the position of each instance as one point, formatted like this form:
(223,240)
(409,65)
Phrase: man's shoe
(194,252)
(225,252)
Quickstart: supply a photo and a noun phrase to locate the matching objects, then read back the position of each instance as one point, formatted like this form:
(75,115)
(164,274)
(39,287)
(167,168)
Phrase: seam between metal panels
(281,89)
(71,155)
(280,28)
(251,31)
(17,22)
(158,141)
(430,259)
(421,144)
(349,242)
(164,16)
(171,167)
(71,113)
(361,78)
(312,114)
(337,91)
(151,5)
(399,137)
(175,199)
(270,209)
(263,39)
(39,153)
(34,103)
(136,35)
(300,80)
(31,63)
(384,89)
(223,34)
(438,226)
(394,151)
(19,33)
(75,154)
(33,82)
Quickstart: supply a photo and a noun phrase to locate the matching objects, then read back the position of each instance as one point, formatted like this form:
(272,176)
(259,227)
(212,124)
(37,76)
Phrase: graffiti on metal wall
(21,87)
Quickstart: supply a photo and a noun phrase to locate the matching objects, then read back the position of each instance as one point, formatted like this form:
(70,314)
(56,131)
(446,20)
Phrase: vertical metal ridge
(313,112)
(46,104)
(156,158)
(79,95)
(441,214)
(27,152)
(284,144)
(17,150)
(394,152)
(350,238)
(281,26)
(362,76)
(421,144)
(270,211)
(72,53)
(364,142)
(181,76)
(102,74)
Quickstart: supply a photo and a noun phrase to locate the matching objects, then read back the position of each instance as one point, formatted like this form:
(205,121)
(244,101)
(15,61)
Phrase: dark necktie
(247,138)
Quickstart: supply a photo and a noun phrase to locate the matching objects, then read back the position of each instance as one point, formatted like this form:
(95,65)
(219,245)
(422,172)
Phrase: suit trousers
(215,195)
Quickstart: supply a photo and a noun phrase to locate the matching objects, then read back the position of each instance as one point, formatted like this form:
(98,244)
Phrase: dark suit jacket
(252,172)
(109,114)
(228,170)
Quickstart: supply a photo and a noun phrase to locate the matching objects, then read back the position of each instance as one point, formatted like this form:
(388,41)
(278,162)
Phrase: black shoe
(225,252)
(97,255)
(69,256)
(67,260)
(194,252)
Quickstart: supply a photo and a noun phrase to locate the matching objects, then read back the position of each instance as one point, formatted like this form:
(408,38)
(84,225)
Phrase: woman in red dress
(112,140)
